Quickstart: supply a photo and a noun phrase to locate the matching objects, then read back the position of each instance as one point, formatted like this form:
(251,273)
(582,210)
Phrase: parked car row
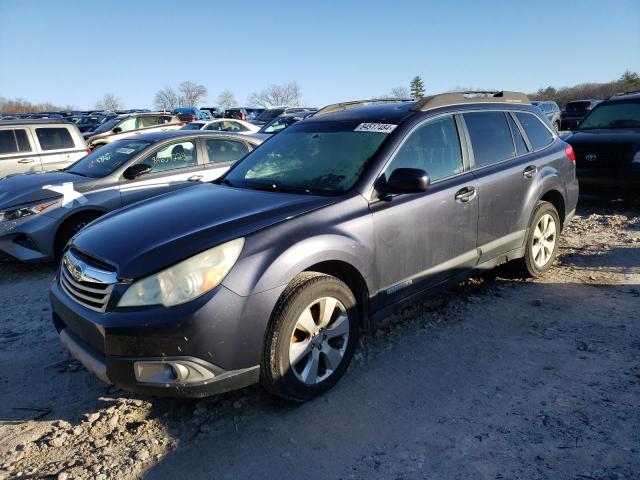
(195,262)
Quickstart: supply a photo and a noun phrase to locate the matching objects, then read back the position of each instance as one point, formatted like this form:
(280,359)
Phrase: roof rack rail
(336,107)
(455,98)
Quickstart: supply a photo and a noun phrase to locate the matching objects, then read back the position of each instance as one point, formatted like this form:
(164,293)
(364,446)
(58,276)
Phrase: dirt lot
(499,378)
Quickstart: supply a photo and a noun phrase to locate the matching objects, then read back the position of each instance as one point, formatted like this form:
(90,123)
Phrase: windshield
(87,120)
(613,115)
(106,126)
(193,126)
(315,159)
(578,107)
(104,161)
(270,114)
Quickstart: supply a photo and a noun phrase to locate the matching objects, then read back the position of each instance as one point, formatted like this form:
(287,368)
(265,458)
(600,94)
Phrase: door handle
(530,171)
(26,160)
(465,194)
(194,178)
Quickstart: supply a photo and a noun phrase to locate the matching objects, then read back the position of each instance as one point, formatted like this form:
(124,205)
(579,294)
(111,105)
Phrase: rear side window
(221,151)
(539,135)
(433,147)
(521,146)
(490,137)
(54,138)
(14,141)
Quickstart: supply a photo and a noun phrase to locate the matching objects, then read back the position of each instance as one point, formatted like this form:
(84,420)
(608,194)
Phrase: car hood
(25,188)
(157,233)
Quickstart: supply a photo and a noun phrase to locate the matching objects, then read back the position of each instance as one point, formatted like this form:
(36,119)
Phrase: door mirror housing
(137,170)
(407,180)
(116,130)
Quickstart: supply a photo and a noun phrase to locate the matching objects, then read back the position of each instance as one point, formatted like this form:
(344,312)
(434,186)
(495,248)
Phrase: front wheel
(541,246)
(311,337)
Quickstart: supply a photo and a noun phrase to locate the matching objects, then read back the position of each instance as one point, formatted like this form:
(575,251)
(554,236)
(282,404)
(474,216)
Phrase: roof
(634,95)
(389,112)
(160,135)
(34,121)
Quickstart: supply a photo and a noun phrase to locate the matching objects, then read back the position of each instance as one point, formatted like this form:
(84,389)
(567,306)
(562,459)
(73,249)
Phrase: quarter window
(490,137)
(172,157)
(148,121)
(433,147)
(54,138)
(539,135)
(221,151)
(128,124)
(14,141)
(521,146)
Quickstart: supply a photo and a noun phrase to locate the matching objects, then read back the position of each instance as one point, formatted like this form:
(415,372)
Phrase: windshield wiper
(75,173)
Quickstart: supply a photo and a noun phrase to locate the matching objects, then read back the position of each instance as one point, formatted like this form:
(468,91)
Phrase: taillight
(568,151)
(181,124)
(87,151)
(242,116)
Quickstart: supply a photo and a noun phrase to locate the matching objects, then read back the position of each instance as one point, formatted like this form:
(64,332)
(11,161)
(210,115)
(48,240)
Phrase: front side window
(54,138)
(490,137)
(539,135)
(433,147)
(613,115)
(106,160)
(172,157)
(220,150)
(321,159)
(14,141)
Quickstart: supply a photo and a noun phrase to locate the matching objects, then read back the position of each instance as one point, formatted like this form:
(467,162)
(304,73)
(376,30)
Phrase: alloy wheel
(544,240)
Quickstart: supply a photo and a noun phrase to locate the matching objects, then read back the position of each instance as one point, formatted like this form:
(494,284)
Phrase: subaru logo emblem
(591,157)
(74,269)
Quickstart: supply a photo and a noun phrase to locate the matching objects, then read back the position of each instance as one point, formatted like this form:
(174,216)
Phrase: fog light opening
(171,371)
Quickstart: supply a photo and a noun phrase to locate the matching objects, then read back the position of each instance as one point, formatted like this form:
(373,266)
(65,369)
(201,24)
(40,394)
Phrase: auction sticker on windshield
(375,127)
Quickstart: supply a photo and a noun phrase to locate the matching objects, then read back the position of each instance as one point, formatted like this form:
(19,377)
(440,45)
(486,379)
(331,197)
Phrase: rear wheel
(542,241)
(69,228)
(311,337)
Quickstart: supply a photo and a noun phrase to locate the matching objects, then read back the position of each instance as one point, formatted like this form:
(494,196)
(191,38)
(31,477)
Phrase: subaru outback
(269,273)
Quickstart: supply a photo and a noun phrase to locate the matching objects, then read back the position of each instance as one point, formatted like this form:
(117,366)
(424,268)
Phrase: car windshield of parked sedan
(314,159)
(104,161)
(613,115)
(106,126)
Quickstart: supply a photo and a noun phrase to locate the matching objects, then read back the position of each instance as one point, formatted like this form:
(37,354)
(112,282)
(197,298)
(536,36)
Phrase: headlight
(636,157)
(16,213)
(186,280)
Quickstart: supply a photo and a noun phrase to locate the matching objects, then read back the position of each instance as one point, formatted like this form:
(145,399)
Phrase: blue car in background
(191,114)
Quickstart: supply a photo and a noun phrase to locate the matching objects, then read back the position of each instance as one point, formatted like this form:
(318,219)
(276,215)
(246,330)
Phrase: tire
(97,146)
(69,228)
(292,354)
(541,246)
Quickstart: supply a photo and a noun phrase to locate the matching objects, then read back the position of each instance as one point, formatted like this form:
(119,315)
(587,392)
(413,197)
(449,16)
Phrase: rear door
(17,152)
(421,239)
(172,165)
(504,166)
(57,146)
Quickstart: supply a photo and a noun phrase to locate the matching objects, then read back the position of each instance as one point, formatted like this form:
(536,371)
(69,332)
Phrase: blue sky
(74,51)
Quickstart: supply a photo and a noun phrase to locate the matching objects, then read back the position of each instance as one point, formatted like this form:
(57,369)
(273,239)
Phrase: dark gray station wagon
(269,273)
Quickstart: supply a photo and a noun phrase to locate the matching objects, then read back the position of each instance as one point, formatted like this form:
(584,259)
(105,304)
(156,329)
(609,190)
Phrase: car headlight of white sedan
(186,280)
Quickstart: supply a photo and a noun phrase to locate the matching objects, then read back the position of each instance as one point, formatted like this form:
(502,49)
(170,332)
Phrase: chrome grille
(86,284)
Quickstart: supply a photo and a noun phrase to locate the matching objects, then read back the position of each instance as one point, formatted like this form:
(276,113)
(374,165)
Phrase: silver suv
(127,125)
(38,145)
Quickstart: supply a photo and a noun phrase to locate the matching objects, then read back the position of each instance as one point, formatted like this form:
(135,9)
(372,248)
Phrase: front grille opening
(92,295)
(93,261)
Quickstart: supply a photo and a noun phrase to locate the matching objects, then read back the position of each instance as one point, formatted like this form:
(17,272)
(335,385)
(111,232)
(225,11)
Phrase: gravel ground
(498,378)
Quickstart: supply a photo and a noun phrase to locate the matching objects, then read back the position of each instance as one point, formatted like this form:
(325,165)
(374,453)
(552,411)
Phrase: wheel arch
(67,220)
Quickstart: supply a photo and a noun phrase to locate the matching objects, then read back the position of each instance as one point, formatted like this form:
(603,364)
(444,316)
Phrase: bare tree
(287,94)
(166,99)
(109,102)
(191,93)
(226,99)
(396,92)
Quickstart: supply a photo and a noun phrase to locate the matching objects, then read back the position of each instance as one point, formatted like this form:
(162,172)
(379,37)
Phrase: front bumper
(609,177)
(28,239)
(221,333)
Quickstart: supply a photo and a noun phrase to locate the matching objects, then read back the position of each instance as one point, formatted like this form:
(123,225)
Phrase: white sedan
(223,125)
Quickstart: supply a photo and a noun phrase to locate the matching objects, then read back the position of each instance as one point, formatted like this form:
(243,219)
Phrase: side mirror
(137,170)
(117,130)
(407,180)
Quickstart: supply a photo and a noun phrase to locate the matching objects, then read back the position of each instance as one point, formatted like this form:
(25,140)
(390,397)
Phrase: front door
(424,238)
(172,165)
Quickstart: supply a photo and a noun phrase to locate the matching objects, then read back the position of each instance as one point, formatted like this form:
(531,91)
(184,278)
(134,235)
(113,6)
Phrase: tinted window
(433,147)
(220,150)
(171,157)
(107,159)
(613,115)
(539,135)
(14,141)
(578,107)
(521,146)
(490,137)
(54,138)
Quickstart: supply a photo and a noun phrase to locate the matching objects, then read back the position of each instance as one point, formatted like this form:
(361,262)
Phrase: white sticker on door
(376,127)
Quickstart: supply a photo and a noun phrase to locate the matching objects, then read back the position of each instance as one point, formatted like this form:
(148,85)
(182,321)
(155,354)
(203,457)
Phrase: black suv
(270,273)
(607,143)
(574,112)
(551,111)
